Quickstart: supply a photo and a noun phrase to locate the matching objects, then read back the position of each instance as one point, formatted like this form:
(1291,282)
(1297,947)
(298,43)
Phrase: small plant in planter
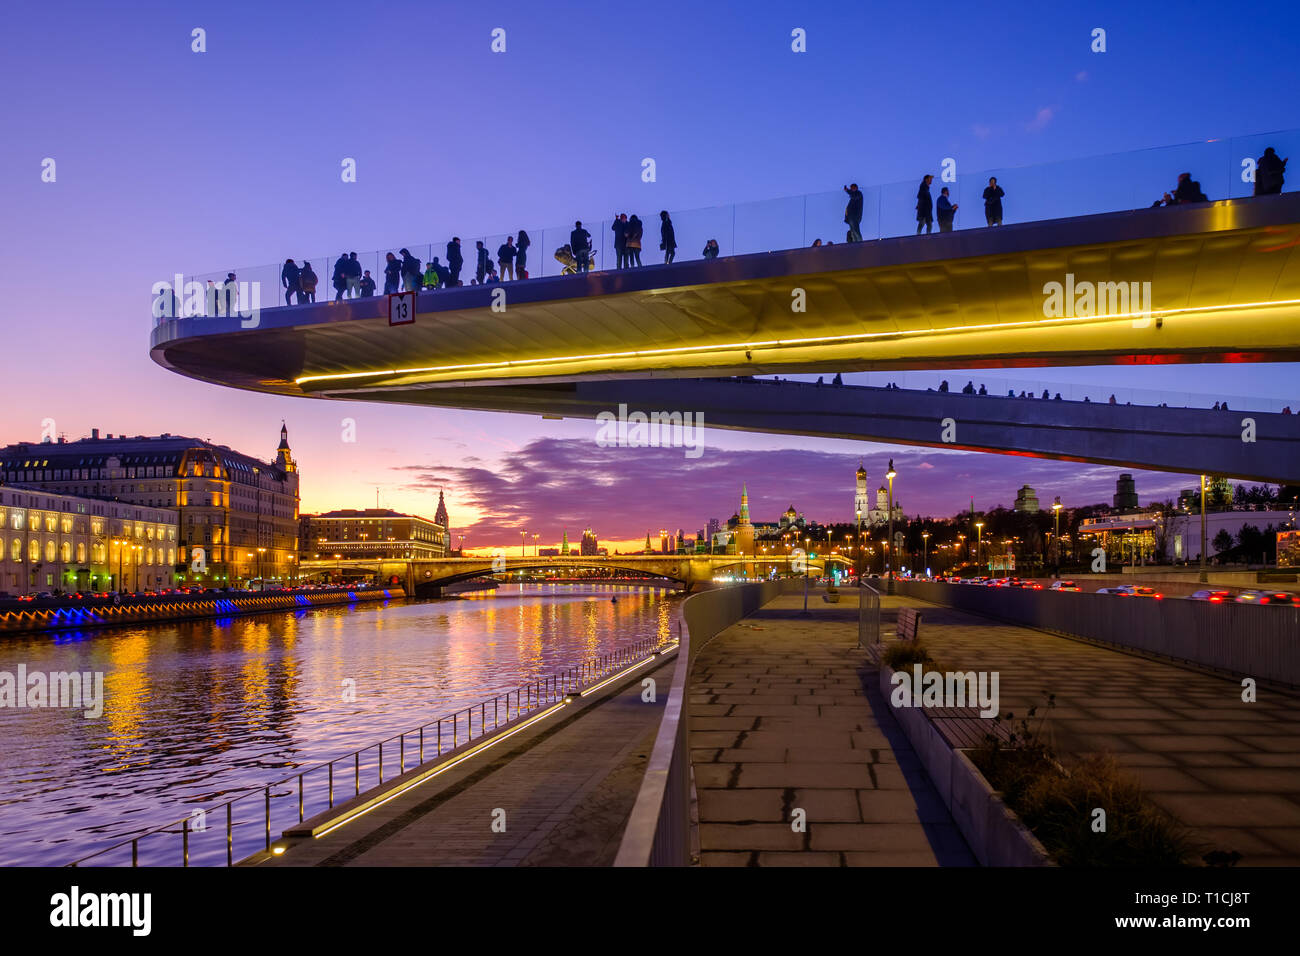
(905,654)
(1060,803)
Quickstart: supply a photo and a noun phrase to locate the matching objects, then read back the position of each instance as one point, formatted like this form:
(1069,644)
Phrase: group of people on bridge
(403,272)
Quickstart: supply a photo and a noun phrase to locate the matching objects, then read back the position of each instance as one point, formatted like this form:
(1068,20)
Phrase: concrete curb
(994,833)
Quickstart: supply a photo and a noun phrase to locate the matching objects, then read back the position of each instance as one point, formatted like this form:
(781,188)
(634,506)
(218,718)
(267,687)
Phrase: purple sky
(169,160)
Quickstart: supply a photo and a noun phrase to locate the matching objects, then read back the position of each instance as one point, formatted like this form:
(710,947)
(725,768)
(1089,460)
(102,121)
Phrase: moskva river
(195,713)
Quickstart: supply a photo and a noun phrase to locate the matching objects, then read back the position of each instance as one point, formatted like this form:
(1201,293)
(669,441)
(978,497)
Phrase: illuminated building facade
(372,534)
(237,516)
(52,542)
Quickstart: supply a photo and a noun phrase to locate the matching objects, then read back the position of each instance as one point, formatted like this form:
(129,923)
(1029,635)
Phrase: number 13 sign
(401,308)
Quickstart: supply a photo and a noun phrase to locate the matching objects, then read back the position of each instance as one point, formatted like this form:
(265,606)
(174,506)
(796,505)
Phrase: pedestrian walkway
(786,714)
(1227,769)
(567,786)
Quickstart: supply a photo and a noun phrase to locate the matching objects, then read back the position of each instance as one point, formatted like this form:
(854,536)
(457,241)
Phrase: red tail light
(1159,596)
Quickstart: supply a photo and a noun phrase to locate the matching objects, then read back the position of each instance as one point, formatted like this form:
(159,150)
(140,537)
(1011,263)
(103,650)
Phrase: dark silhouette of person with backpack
(289,279)
(580,246)
(853,212)
(1270,173)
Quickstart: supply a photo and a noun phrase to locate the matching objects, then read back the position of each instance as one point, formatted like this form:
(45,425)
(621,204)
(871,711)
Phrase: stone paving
(567,787)
(1227,769)
(786,714)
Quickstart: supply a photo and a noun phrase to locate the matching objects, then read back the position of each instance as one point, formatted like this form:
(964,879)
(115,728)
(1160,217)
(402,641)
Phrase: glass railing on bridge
(1077,187)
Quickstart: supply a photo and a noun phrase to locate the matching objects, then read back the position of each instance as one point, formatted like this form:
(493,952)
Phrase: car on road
(1132,590)
(1213,595)
(1064,586)
(1284,598)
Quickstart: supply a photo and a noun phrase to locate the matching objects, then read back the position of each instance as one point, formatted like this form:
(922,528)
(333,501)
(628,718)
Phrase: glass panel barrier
(1075,187)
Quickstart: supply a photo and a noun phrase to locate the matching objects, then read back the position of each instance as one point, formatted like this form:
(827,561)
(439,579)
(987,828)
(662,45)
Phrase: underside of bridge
(1216,282)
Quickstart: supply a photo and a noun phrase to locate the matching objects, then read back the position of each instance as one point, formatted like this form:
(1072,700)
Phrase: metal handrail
(528,698)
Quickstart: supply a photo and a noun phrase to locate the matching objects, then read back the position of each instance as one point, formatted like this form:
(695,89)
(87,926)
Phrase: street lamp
(979,541)
(857,562)
(1203,575)
(925,542)
(1056,534)
(535,537)
(260,574)
(137,548)
(890,475)
(523,536)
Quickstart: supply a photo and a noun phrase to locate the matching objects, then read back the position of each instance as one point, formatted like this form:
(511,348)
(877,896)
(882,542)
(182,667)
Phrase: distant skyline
(174,161)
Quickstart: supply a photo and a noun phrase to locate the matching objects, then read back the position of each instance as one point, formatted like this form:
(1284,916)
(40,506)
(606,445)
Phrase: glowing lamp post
(1056,534)
(890,475)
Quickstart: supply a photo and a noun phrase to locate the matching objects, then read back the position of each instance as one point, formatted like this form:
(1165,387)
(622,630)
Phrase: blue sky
(170,160)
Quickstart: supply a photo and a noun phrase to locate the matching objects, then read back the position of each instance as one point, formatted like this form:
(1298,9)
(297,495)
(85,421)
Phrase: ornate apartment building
(236,516)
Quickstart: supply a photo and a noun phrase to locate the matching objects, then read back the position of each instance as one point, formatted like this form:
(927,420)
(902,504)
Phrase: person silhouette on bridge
(484,261)
(392,274)
(619,228)
(367,285)
(340,277)
(635,234)
(307,280)
(969,388)
(1269,173)
(943,386)
(946,210)
(506,257)
(853,212)
(993,194)
(924,206)
(352,270)
(289,279)
(667,237)
(410,270)
(455,261)
(522,242)
(580,246)
(983,390)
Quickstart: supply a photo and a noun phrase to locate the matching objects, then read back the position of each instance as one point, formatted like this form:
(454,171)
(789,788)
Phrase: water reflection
(198,711)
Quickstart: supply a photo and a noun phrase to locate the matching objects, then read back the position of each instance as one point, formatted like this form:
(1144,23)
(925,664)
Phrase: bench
(909,624)
(964,728)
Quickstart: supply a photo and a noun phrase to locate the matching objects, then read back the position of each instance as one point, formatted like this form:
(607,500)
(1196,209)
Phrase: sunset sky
(174,161)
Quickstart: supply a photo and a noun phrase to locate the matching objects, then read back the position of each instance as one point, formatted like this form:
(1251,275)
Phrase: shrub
(905,654)
(1059,809)
(1057,803)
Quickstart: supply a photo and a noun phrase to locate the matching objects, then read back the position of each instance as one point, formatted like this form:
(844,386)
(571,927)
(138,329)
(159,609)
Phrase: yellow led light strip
(491,742)
(623,673)
(473,751)
(791,343)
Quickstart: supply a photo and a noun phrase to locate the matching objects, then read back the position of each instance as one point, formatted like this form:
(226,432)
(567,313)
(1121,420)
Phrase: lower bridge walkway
(1227,769)
(786,714)
(566,786)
